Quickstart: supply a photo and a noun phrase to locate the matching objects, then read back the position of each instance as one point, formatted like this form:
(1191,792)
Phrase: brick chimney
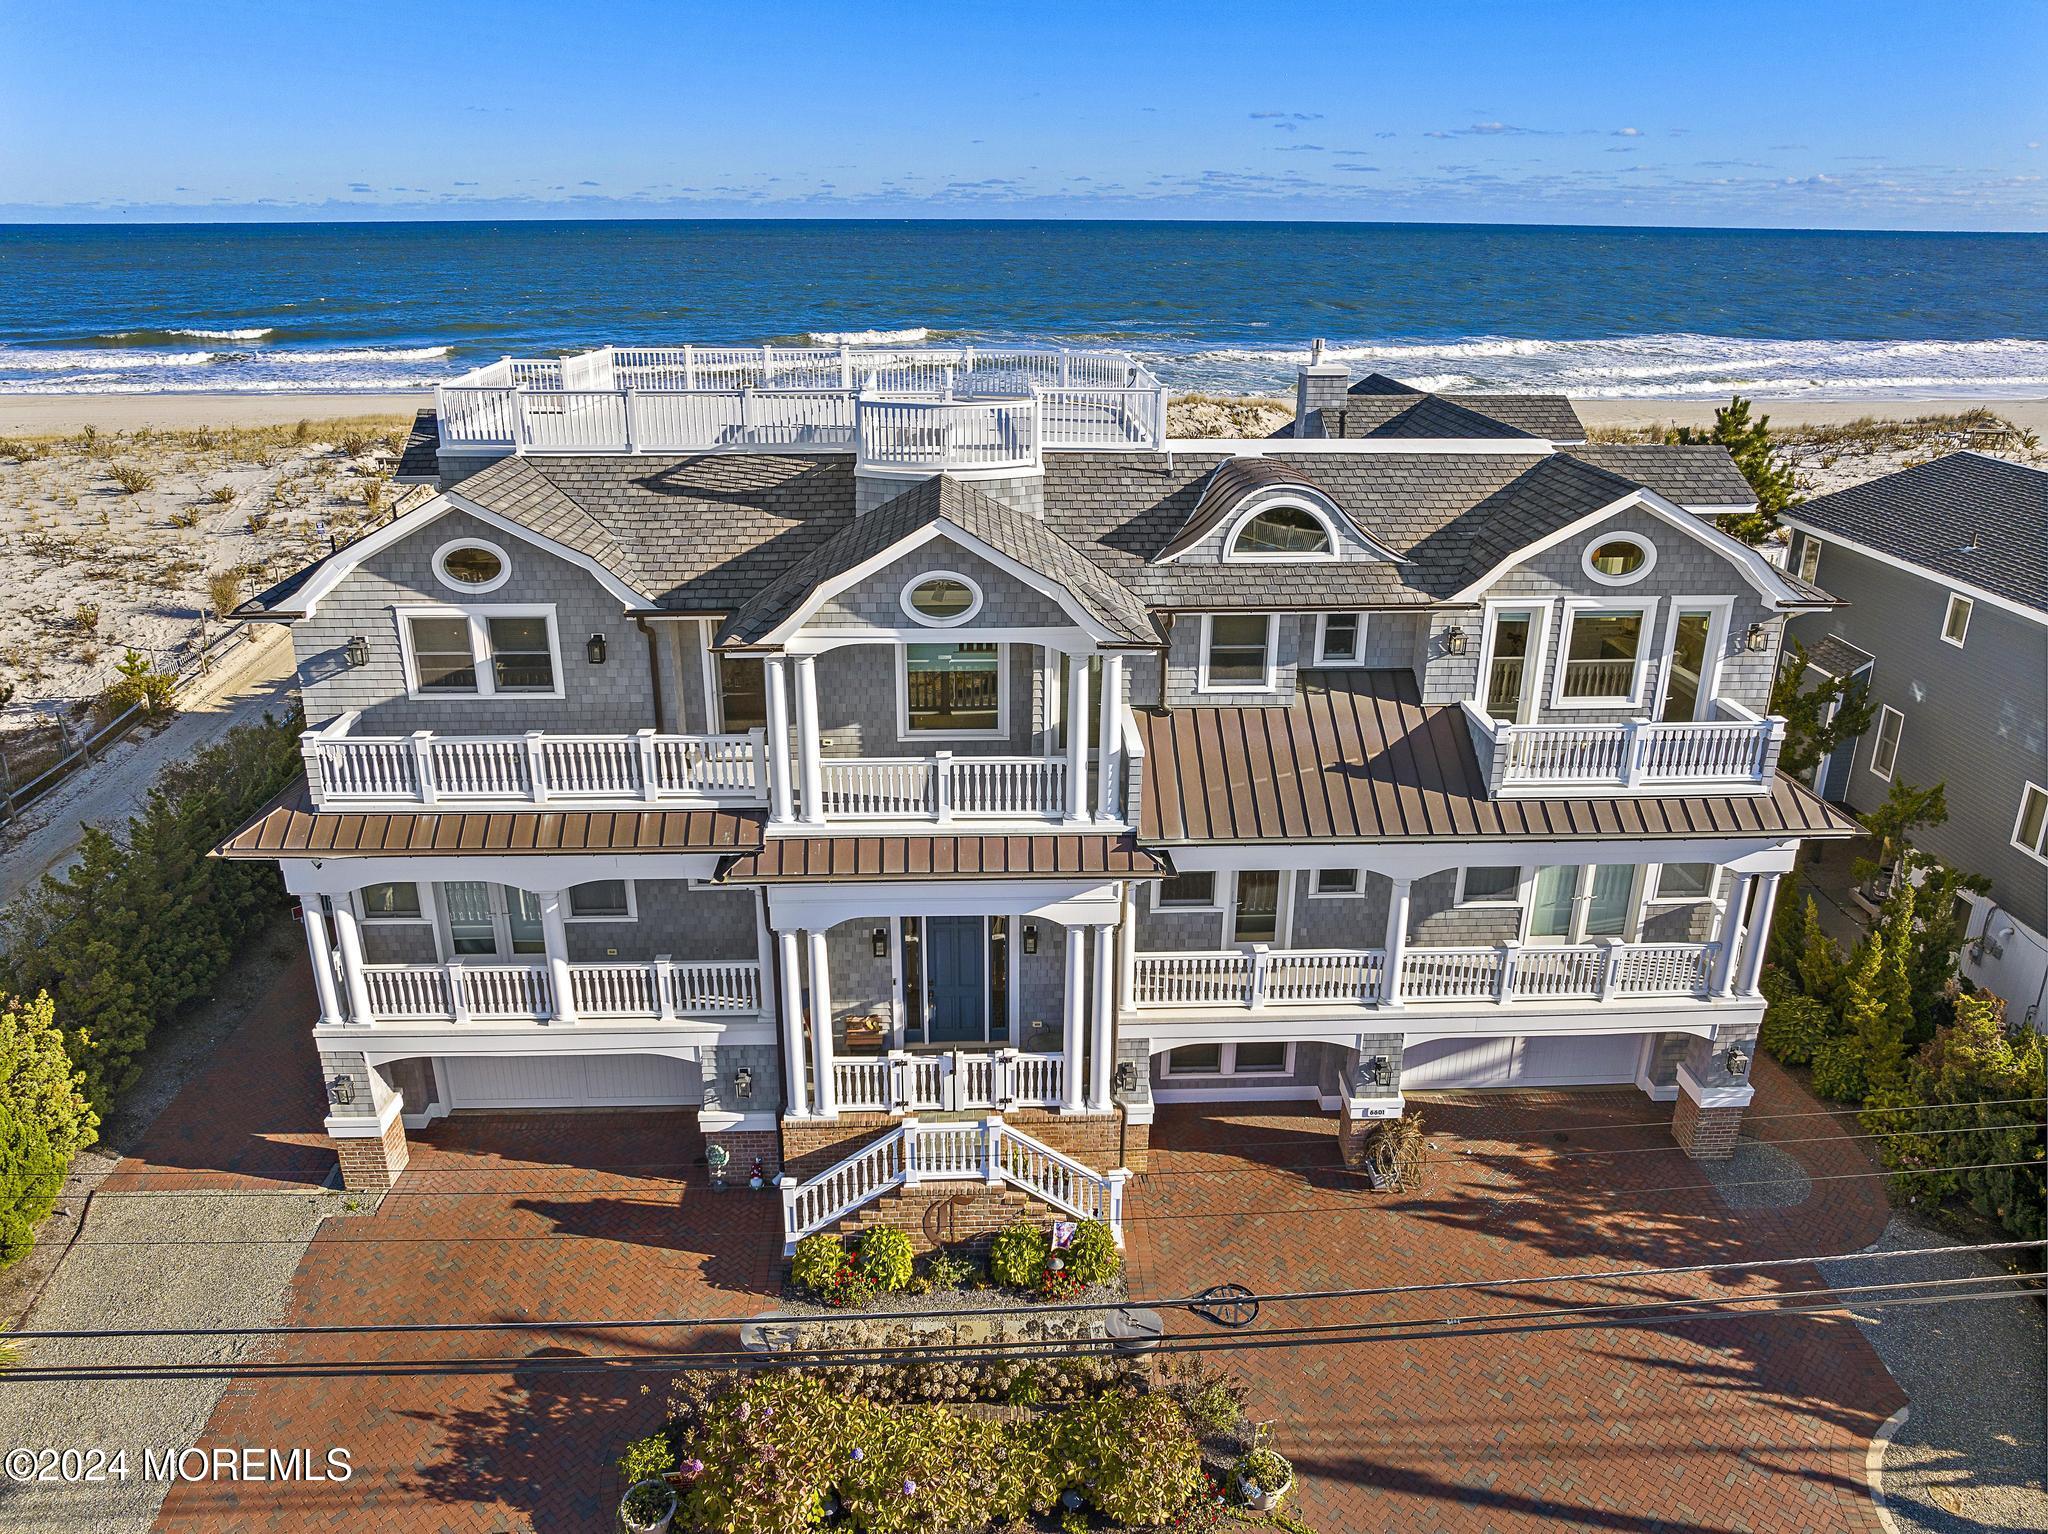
(1319,386)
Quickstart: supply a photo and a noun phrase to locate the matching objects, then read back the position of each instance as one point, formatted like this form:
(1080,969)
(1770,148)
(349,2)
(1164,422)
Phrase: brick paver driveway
(1721,1425)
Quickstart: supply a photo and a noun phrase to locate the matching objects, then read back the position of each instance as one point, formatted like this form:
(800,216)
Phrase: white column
(1397,939)
(1075,1020)
(1110,733)
(1102,1035)
(1731,935)
(807,744)
(821,1027)
(1758,937)
(350,938)
(556,936)
(789,991)
(313,912)
(776,672)
(1077,736)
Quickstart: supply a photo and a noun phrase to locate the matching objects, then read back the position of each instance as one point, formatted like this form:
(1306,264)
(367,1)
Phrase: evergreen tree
(31,1176)
(37,1079)
(1749,443)
(1817,718)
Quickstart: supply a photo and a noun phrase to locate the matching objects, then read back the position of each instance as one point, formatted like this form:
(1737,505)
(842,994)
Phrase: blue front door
(953,949)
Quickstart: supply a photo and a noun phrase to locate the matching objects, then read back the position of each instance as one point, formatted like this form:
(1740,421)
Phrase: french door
(1576,902)
(1510,664)
(492,921)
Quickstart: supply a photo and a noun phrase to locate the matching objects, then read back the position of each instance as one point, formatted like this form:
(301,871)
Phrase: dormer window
(1287,531)
(1619,559)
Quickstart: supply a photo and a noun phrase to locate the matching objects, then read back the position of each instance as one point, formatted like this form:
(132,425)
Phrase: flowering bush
(1092,1256)
(885,1258)
(1057,1284)
(817,1258)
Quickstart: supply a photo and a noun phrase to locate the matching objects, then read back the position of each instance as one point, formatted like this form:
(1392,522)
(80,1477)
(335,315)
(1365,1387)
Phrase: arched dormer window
(1287,530)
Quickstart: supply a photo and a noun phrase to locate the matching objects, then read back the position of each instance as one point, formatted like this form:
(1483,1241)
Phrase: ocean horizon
(1228,307)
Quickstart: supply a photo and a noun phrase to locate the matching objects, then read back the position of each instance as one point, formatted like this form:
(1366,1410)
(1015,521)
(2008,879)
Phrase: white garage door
(571,1081)
(1600,1060)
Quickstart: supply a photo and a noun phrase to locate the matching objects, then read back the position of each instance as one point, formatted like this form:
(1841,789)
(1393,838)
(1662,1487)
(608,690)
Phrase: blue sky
(1800,113)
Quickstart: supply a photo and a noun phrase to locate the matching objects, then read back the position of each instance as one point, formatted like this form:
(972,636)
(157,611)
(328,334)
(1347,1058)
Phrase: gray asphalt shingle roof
(1695,474)
(1975,519)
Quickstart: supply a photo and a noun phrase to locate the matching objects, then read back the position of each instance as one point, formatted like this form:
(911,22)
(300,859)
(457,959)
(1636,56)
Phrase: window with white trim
(1237,652)
(953,689)
(1884,755)
(1684,883)
(1248,1059)
(941,599)
(481,652)
(601,900)
(1602,655)
(2030,830)
(1187,892)
(1619,559)
(390,902)
(1338,881)
(1955,622)
(1809,557)
(1489,884)
(472,565)
(1286,531)
(1340,639)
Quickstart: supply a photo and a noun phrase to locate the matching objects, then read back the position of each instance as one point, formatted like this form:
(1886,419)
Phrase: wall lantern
(881,941)
(743,1083)
(1738,1061)
(1756,640)
(1031,937)
(341,1090)
(356,652)
(1127,1076)
(593,649)
(1376,1071)
(1454,641)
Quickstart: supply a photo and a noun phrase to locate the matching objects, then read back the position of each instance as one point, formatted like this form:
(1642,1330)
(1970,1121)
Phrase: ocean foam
(910,337)
(250,333)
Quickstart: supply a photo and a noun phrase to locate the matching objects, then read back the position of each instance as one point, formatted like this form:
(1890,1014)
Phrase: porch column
(1109,731)
(1396,944)
(776,673)
(1731,934)
(807,739)
(1757,938)
(556,936)
(350,937)
(1077,736)
(1075,1019)
(313,912)
(821,1026)
(1102,1035)
(789,993)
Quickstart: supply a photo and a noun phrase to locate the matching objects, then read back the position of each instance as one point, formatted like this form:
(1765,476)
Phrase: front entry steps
(989,1156)
(948,1215)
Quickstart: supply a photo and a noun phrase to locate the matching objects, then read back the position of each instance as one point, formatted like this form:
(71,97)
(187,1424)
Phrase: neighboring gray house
(820,738)
(1943,570)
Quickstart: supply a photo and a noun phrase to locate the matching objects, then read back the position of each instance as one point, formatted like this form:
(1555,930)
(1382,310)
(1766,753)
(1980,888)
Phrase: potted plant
(1263,1478)
(648,1507)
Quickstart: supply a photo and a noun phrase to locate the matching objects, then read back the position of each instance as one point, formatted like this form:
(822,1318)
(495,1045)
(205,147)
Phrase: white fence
(459,992)
(986,1152)
(906,1082)
(1738,751)
(944,786)
(1259,977)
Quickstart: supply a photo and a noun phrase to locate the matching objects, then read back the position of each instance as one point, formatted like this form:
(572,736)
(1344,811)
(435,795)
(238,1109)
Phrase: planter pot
(1266,1500)
(660,1525)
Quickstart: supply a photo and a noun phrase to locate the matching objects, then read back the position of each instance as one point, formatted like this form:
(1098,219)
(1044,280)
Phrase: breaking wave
(912,336)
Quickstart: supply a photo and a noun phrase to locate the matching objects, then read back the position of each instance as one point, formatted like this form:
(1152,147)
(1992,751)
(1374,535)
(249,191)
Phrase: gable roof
(1376,400)
(945,500)
(1434,416)
(1693,474)
(1977,520)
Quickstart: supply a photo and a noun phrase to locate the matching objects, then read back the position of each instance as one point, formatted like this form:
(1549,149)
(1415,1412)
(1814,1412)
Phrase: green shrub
(885,1258)
(945,1271)
(1795,1027)
(1018,1254)
(140,682)
(1092,1256)
(1838,1070)
(1146,1464)
(31,1174)
(816,1260)
(648,1458)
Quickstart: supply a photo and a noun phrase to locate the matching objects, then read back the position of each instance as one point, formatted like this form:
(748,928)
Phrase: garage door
(571,1081)
(1601,1060)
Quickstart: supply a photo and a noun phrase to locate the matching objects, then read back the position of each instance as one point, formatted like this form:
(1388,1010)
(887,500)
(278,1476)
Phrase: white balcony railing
(1737,752)
(1253,978)
(660,989)
(425,769)
(903,1081)
(944,787)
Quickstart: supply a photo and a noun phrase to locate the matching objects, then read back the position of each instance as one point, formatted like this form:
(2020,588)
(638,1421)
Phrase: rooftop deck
(915,411)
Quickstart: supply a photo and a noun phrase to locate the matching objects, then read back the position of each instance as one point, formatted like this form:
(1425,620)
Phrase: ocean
(1226,307)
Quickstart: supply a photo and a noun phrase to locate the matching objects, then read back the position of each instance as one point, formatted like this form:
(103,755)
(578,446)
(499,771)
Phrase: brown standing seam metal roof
(1359,758)
(852,859)
(290,827)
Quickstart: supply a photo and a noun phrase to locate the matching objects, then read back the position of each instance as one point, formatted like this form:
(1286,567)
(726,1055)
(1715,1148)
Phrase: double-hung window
(1237,652)
(1809,557)
(2030,831)
(481,653)
(1603,653)
(1884,754)
(1340,639)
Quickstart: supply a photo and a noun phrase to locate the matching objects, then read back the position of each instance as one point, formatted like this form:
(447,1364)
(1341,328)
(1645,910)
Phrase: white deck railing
(1252,978)
(426,769)
(944,787)
(1736,752)
(461,992)
(987,1152)
(905,1081)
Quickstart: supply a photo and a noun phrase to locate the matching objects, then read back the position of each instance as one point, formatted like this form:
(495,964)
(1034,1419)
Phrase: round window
(942,599)
(472,566)
(1618,560)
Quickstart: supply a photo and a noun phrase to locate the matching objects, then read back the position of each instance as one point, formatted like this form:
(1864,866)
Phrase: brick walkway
(1721,1425)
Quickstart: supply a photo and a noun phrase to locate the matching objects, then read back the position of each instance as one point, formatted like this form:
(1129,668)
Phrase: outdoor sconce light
(743,1083)
(1738,1061)
(881,940)
(1376,1070)
(1127,1075)
(1454,641)
(1031,937)
(593,649)
(1755,640)
(356,652)
(341,1090)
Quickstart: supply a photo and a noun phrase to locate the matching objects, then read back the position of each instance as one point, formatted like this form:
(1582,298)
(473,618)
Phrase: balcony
(661,990)
(1735,752)
(424,770)
(1255,979)
(960,410)
(944,787)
